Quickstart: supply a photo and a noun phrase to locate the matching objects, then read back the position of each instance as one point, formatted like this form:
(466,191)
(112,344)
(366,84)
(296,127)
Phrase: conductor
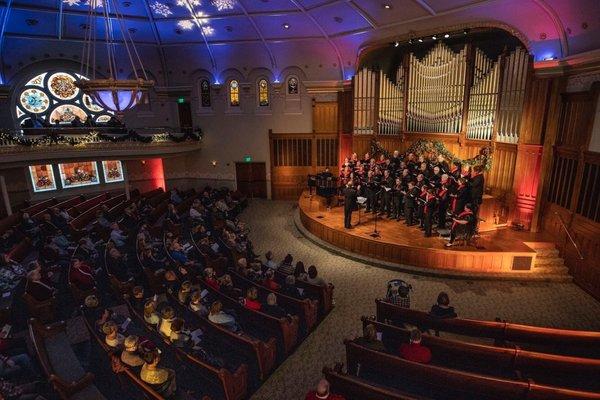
(350,195)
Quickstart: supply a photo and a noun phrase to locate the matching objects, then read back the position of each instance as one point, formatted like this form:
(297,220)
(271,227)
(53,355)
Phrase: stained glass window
(292,85)
(52,96)
(263,93)
(234,93)
(42,178)
(205,93)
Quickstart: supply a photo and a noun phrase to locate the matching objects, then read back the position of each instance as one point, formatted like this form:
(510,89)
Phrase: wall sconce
(143,162)
(213,163)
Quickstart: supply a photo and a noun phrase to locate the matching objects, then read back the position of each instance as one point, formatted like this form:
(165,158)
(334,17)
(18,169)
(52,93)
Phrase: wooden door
(251,178)
(185,117)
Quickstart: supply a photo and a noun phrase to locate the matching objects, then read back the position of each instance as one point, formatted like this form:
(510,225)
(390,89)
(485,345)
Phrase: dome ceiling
(323,35)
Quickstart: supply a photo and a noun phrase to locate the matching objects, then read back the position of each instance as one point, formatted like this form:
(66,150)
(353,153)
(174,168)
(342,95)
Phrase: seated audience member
(150,315)
(81,275)
(369,339)
(286,266)
(7,240)
(102,220)
(137,297)
(226,287)
(178,337)
(18,366)
(36,288)
(269,262)
(61,241)
(167,316)
(177,252)
(197,305)
(130,355)
(300,271)
(289,288)
(47,226)
(217,316)
(87,248)
(255,273)
(149,260)
(398,293)
(117,236)
(269,281)
(113,337)
(196,211)
(117,266)
(251,299)
(313,277)
(443,309)
(210,278)
(28,225)
(161,379)
(184,292)
(272,308)
(414,351)
(322,392)
(172,214)
(175,197)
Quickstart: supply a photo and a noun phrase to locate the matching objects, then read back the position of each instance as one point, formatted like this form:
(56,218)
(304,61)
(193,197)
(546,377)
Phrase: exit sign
(181,100)
(247,158)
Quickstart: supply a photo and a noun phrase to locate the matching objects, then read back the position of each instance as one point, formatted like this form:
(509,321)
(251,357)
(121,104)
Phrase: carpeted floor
(357,285)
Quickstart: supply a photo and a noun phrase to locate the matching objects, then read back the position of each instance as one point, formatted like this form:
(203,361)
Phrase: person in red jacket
(81,275)
(322,392)
(251,300)
(414,351)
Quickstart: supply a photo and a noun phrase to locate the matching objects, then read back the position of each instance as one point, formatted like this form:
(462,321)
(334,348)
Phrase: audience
(370,340)
(300,271)
(218,316)
(289,288)
(322,392)
(251,300)
(113,337)
(36,288)
(272,308)
(130,355)
(161,379)
(286,267)
(150,315)
(313,277)
(167,316)
(81,274)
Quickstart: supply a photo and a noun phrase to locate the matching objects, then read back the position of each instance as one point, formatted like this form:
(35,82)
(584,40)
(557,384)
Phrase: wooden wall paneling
(526,182)
(345,111)
(588,204)
(325,117)
(535,110)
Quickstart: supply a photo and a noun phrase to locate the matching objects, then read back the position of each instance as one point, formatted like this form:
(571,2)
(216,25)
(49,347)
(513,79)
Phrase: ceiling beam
(423,4)
(260,35)
(363,14)
(161,53)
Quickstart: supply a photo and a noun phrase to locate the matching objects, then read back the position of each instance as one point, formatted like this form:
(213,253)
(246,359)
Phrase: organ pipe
(514,79)
(483,97)
(391,102)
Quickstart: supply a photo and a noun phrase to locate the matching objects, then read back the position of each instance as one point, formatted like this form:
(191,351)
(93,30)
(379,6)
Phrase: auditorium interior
(299,199)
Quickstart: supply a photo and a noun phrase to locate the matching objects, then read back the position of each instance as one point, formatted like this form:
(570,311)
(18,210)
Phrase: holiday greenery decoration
(93,136)
(424,147)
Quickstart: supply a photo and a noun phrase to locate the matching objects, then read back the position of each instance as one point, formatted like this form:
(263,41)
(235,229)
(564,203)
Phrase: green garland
(423,146)
(94,136)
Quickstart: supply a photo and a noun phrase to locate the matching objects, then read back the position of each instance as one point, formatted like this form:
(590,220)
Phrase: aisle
(357,285)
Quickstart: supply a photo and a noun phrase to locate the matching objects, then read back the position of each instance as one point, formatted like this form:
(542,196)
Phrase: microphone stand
(375,233)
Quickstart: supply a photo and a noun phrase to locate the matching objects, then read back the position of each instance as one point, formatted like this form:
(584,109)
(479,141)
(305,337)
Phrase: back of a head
(252,293)
(215,307)
(370,332)
(415,336)
(168,312)
(312,272)
(290,280)
(323,388)
(272,299)
(443,299)
(177,325)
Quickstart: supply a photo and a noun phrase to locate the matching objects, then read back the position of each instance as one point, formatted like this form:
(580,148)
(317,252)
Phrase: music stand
(361,201)
(375,233)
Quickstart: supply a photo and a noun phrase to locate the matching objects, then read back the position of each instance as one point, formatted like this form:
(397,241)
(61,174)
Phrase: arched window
(292,85)
(263,93)
(53,97)
(234,93)
(205,93)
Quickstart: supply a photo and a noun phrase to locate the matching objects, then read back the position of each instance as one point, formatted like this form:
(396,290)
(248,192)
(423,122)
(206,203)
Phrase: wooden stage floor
(502,251)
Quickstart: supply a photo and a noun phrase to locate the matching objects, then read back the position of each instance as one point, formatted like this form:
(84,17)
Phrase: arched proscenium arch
(558,25)
(367,47)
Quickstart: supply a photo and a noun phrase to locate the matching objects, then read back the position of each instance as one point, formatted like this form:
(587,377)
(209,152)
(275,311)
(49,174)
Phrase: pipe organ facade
(436,90)
(483,100)
(464,92)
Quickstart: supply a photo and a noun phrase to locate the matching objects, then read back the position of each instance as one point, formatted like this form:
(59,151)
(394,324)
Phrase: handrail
(569,235)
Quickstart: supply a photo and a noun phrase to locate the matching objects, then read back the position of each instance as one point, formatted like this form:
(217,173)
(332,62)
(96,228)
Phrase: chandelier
(110,92)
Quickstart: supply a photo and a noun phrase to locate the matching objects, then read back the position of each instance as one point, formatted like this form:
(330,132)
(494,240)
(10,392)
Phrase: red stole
(461,216)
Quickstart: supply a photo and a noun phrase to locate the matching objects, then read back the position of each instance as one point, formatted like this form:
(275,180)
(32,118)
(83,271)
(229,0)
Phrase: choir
(423,190)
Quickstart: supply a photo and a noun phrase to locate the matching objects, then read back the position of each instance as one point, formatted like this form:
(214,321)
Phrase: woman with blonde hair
(217,316)
(113,338)
(150,315)
(167,316)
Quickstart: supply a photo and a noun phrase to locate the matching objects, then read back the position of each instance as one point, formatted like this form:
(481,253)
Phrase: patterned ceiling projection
(322,37)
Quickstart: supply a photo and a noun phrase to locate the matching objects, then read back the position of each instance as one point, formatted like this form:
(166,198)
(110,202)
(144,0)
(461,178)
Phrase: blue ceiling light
(221,5)
(286,26)
(185,24)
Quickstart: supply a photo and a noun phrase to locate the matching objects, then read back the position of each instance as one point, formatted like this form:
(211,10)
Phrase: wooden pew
(306,309)
(78,224)
(66,204)
(59,363)
(40,206)
(264,354)
(566,371)
(129,373)
(87,204)
(284,329)
(552,340)
(354,388)
(323,293)
(445,383)
(234,386)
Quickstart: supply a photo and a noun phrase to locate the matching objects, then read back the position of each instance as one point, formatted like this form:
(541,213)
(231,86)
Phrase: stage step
(549,262)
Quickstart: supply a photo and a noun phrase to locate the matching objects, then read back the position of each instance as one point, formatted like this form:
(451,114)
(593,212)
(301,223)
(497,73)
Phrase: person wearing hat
(130,355)
(113,337)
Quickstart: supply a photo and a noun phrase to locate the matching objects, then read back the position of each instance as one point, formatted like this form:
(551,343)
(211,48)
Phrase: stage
(499,252)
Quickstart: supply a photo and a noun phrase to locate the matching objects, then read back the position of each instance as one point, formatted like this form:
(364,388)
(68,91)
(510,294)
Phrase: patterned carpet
(357,285)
